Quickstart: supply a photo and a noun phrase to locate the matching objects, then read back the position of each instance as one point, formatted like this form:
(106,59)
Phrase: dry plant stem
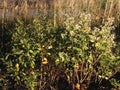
(3,20)
(41,77)
(54,13)
(111,7)
(81,74)
(25,9)
(84,78)
(76,74)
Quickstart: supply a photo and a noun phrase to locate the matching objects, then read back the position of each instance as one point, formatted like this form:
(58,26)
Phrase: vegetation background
(59,44)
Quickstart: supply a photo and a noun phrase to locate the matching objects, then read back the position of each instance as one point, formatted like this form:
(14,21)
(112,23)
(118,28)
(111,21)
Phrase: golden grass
(99,8)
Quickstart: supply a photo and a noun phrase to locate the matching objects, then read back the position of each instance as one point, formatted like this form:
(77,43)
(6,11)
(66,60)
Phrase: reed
(99,8)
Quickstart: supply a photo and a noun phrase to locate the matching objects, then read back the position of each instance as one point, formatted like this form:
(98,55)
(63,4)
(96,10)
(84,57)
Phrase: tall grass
(99,8)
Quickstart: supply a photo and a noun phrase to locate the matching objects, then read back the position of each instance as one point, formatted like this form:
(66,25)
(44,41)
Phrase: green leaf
(18,52)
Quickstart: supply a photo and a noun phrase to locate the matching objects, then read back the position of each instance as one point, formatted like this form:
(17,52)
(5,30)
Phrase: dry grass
(99,8)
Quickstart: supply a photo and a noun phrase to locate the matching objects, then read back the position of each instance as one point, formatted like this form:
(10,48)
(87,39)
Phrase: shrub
(84,51)
(90,48)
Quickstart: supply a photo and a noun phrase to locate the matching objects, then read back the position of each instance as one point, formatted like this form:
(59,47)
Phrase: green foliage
(91,47)
(20,61)
(30,46)
(75,45)
(115,83)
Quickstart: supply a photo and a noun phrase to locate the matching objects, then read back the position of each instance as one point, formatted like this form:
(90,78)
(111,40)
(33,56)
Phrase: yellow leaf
(77,86)
(17,66)
(44,62)
(97,18)
(92,40)
(97,44)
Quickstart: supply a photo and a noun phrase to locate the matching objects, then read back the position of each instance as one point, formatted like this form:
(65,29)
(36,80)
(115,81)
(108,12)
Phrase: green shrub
(75,45)
(90,48)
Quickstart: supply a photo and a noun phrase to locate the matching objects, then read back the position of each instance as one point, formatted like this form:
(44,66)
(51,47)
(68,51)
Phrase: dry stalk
(54,13)
(59,7)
